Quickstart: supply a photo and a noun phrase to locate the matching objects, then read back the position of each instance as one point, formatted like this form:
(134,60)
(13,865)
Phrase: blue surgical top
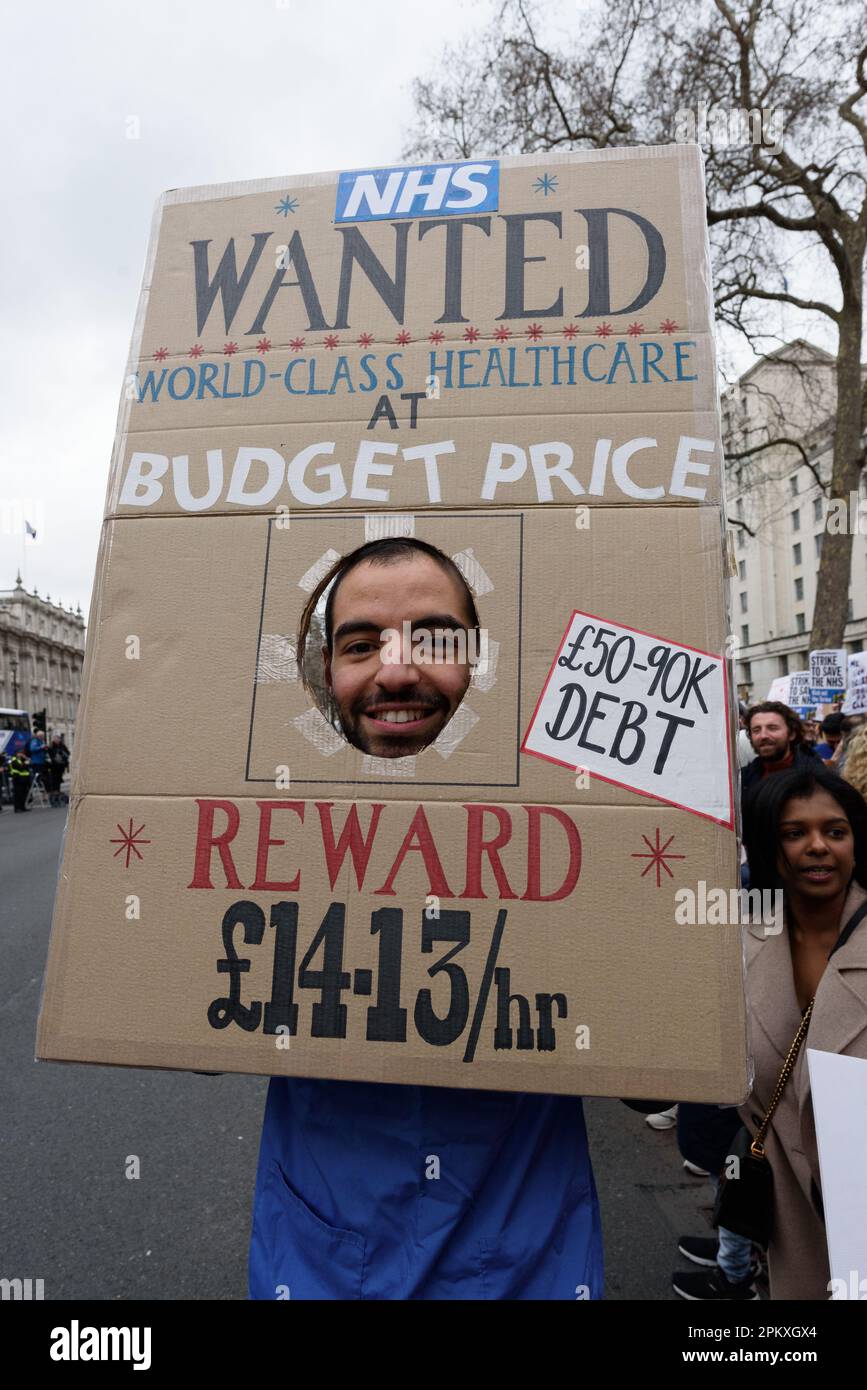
(419,1192)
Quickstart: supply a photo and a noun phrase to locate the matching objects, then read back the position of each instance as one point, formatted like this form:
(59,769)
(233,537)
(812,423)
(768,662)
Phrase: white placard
(827,674)
(780,689)
(839,1089)
(799,690)
(640,711)
(856,691)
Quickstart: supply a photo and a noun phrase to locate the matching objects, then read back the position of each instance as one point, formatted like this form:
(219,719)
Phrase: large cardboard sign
(343,817)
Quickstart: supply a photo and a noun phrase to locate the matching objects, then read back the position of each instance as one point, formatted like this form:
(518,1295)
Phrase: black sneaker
(711,1285)
(702,1250)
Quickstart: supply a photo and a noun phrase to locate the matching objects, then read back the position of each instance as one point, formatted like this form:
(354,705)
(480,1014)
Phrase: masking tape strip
(484,676)
(379,525)
(455,731)
(277,658)
(476,577)
(388,767)
(317,730)
(308,581)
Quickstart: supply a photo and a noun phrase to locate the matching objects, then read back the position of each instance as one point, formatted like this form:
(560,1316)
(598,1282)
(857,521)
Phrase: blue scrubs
(396,1192)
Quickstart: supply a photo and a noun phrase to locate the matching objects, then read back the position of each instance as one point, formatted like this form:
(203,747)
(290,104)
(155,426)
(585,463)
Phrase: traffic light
(39,717)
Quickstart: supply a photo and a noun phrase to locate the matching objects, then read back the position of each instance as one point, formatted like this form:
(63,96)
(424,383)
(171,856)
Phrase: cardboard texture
(526,381)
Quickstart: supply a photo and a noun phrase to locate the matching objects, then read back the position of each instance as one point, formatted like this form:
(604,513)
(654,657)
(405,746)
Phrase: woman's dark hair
(764,811)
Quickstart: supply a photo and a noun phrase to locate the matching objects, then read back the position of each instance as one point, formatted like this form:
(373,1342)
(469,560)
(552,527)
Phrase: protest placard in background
(856,689)
(827,675)
(530,387)
(799,693)
(781,690)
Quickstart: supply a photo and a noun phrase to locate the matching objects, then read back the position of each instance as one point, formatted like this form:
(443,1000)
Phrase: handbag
(745,1201)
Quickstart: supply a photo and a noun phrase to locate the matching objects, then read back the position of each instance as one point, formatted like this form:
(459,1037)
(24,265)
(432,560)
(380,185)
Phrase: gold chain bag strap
(745,1196)
(757,1147)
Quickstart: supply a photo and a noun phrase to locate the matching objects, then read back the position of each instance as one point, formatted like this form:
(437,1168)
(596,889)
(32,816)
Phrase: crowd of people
(805,836)
(42,762)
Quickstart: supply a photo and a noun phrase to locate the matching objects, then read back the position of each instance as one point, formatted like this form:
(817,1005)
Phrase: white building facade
(778,506)
(41,656)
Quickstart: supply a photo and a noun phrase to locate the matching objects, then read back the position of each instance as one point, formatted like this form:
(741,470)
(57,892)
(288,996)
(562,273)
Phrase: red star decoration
(263,345)
(534,331)
(668,326)
(196,350)
(128,841)
(331,341)
(570,330)
(436,336)
(161,354)
(403,338)
(229,348)
(634,329)
(503,333)
(604,330)
(365,339)
(471,335)
(296,344)
(657,857)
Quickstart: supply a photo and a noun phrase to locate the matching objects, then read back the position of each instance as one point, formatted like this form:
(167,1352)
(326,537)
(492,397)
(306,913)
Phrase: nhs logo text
(369,195)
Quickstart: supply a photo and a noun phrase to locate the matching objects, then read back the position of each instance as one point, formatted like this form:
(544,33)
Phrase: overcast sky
(222,89)
(214,90)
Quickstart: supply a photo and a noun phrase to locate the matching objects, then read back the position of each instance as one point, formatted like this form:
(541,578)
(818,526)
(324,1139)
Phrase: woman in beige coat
(806,833)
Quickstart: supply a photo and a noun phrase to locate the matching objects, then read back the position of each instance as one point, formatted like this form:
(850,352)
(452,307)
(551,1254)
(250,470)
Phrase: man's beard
(777,755)
(392,745)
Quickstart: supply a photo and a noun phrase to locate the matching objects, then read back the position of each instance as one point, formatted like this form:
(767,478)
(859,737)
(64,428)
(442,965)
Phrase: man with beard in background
(777,735)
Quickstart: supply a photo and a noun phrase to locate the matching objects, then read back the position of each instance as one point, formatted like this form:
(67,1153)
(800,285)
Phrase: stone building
(778,505)
(41,655)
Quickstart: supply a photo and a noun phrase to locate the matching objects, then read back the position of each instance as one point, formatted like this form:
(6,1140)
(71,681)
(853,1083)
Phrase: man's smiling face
(770,736)
(386,708)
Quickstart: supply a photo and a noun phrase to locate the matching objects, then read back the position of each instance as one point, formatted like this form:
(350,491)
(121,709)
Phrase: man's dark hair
(793,721)
(383,552)
(832,724)
(764,811)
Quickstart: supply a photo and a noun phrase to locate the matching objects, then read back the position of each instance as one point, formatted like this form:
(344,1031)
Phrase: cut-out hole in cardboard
(388,642)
